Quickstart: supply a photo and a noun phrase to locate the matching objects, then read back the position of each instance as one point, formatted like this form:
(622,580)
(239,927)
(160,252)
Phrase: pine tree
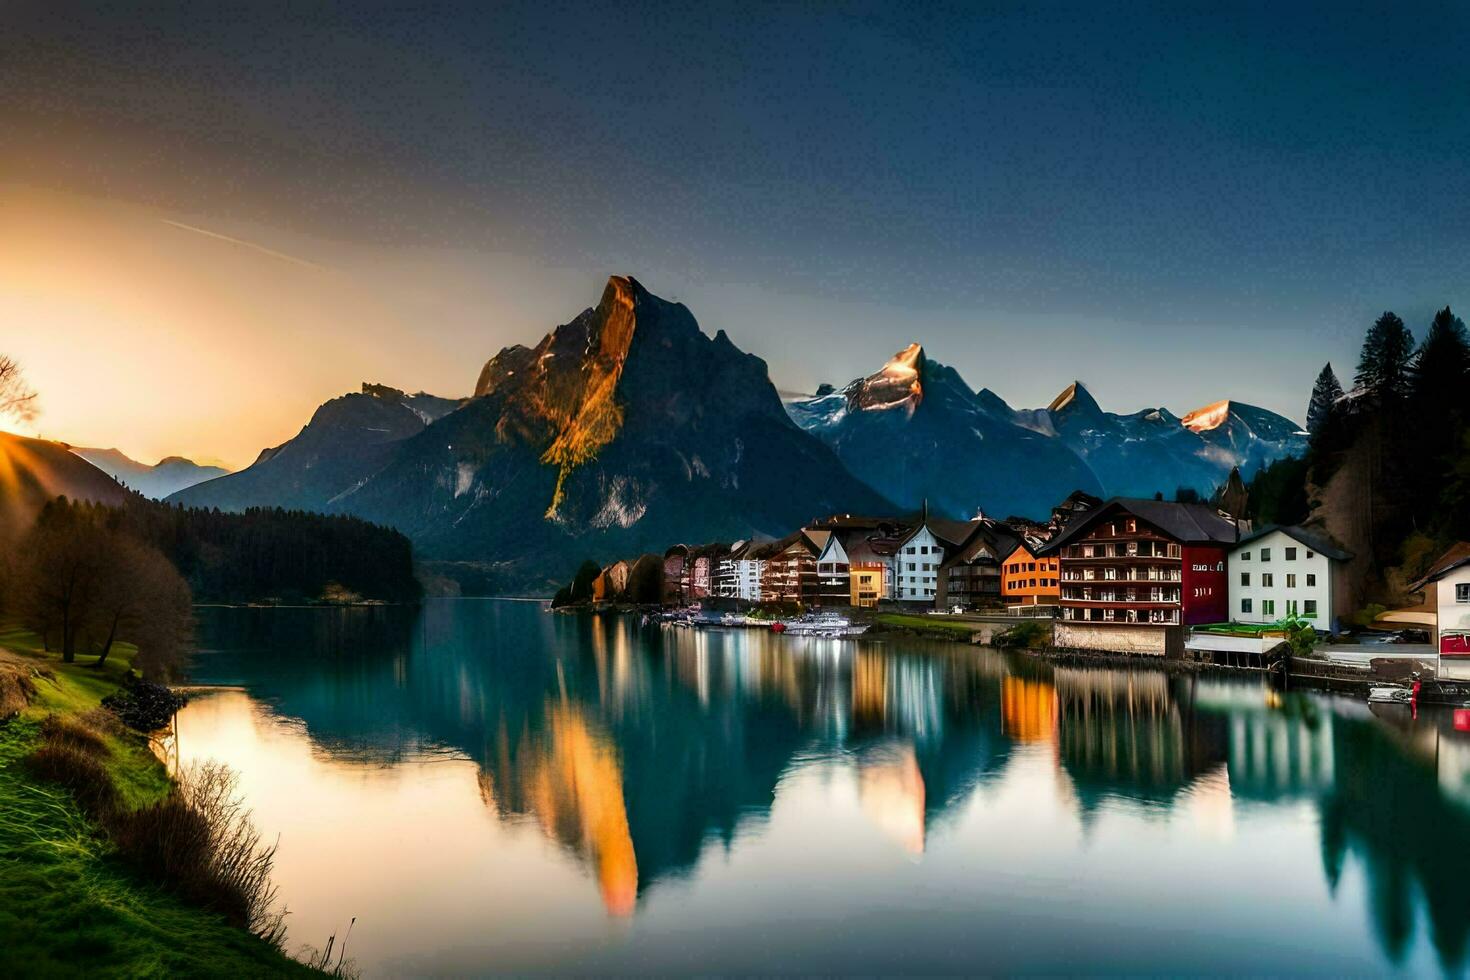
(1441,369)
(1383,366)
(1325,394)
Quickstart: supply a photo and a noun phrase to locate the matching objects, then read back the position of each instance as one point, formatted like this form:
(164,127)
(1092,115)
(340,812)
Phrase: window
(1311,580)
(1291,581)
(1268,607)
(1245,605)
(1310,555)
(1309,608)
(1245,579)
(1245,556)
(1267,580)
(1462,592)
(911,566)
(1132,525)
(1291,554)
(1265,554)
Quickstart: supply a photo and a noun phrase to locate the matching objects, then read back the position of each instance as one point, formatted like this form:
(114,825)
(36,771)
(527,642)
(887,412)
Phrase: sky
(215,217)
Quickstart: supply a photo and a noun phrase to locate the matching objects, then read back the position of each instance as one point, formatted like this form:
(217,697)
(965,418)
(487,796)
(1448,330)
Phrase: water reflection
(645,755)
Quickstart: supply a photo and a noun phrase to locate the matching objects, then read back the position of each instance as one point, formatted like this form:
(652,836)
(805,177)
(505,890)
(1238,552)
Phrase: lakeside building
(1446,586)
(1029,580)
(1134,572)
(612,584)
(1289,571)
(676,585)
(790,573)
(834,574)
(971,576)
(919,553)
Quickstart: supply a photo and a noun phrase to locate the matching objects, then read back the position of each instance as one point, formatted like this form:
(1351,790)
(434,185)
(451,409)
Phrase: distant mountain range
(168,475)
(628,429)
(916,430)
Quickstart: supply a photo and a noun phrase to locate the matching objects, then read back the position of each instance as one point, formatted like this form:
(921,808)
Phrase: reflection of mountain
(638,752)
(633,749)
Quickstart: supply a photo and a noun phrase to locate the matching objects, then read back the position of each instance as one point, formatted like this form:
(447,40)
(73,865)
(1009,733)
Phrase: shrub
(1028,635)
(199,842)
(80,772)
(16,689)
(145,706)
(73,734)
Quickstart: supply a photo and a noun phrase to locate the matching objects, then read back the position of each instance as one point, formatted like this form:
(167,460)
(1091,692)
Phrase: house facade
(1447,586)
(1278,572)
(1134,572)
(790,573)
(834,575)
(916,566)
(971,576)
(1028,580)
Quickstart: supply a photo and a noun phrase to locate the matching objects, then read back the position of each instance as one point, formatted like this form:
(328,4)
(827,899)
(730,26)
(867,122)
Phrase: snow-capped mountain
(915,430)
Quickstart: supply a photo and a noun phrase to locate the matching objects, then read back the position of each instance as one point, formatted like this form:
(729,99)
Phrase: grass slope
(926,624)
(68,907)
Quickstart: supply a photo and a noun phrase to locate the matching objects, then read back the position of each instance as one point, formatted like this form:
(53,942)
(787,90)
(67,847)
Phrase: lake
(490,787)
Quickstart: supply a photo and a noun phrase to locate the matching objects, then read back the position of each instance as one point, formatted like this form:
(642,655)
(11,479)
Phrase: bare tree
(142,600)
(17,399)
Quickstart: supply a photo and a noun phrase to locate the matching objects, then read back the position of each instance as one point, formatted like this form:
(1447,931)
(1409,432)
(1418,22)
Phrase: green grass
(68,907)
(926,624)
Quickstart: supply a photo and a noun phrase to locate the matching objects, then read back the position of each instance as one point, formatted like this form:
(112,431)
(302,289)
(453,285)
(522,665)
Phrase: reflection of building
(1133,734)
(1028,709)
(1134,571)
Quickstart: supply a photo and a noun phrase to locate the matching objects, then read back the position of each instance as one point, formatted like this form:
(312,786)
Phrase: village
(1184,581)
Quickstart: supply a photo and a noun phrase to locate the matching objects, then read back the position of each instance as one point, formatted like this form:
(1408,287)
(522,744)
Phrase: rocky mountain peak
(1209,417)
(899,384)
(1075,397)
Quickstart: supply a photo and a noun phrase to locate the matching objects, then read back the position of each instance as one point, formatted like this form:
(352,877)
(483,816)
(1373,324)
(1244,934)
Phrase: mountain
(347,440)
(622,431)
(915,431)
(167,476)
(32,471)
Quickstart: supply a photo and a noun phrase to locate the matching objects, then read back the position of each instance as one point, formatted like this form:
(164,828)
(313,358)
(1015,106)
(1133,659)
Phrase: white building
(916,566)
(1288,571)
(1447,588)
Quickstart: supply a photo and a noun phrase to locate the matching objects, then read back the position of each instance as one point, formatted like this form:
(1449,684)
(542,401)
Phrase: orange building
(1030,581)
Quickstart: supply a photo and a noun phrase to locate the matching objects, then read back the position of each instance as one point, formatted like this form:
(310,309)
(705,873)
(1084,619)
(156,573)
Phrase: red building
(1134,572)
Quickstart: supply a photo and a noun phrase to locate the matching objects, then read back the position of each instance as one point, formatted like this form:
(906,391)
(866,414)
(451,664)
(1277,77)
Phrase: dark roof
(998,538)
(1459,554)
(1185,523)
(1315,540)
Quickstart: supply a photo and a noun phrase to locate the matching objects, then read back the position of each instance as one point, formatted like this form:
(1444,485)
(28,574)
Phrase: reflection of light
(571,780)
(1028,709)
(1209,805)
(891,789)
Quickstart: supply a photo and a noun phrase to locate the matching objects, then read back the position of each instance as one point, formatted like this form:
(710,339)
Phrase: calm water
(490,787)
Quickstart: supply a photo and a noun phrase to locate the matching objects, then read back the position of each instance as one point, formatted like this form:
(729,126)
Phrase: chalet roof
(1459,554)
(1185,523)
(989,535)
(817,537)
(1315,540)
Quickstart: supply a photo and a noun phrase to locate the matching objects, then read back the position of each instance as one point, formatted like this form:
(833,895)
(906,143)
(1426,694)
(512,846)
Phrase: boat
(1390,694)
(829,625)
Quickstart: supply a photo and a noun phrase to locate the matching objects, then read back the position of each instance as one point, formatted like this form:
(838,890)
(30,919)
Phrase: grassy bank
(68,905)
(906,622)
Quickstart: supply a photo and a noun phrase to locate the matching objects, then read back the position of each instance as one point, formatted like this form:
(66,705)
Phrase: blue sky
(1174,204)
